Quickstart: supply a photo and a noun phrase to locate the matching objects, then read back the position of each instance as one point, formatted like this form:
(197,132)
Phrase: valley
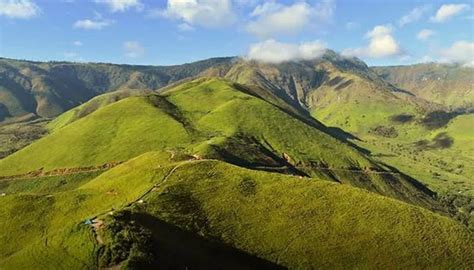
(307,164)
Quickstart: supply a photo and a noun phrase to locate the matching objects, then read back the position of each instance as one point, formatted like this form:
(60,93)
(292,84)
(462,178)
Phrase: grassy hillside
(211,118)
(47,89)
(249,217)
(342,92)
(440,157)
(447,84)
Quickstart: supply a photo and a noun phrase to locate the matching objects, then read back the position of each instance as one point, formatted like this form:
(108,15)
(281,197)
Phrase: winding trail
(167,176)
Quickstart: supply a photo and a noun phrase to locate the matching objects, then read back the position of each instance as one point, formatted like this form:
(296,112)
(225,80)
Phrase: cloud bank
(272,51)
(460,52)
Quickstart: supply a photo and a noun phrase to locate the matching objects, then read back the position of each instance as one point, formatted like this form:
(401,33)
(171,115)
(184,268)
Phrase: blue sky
(164,32)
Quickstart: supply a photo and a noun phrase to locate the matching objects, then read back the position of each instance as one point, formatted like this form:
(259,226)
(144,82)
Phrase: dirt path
(96,226)
(168,175)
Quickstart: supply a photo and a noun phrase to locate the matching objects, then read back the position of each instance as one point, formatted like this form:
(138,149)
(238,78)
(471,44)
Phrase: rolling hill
(46,89)
(251,219)
(210,118)
(244,164)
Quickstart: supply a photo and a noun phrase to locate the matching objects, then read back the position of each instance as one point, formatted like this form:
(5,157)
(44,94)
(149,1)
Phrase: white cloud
(92,24)
(271,51)
(19,9)
(351,25)
(413,16)
(273,18)
(425,34)
(459,52)
(121,5)
(184,27)
(206,13)
(77,43)
(445,12)
(381,44)
(133,49)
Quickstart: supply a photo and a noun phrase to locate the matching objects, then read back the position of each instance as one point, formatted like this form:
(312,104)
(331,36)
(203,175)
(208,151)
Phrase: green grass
(205,117)
(298,223)
(305,224)
(48,231)
(445,170)
(46,184)
(117,132)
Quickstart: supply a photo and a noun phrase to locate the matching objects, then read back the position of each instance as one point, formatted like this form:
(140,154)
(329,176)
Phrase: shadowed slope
(276,218)
(206,117)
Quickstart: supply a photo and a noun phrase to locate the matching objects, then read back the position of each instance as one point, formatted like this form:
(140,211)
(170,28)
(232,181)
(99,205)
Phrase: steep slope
(450,85)
(399,127)
(171,212)
(46,89)
(339,91)
(211,118)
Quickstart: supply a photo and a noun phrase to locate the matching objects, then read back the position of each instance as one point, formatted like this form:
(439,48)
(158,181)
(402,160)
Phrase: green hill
(46,89)
(339,91)
(164,208)
(211,118)
(252,170)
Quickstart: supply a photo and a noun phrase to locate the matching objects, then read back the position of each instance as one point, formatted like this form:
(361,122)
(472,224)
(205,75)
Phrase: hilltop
(212,118)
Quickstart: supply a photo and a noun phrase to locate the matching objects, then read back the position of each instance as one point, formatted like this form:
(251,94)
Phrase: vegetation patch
(127,243)
(461,208)
(388,132)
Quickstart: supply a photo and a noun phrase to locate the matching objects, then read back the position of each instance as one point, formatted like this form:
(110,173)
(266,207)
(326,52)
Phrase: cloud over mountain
(272,51)
(459,52)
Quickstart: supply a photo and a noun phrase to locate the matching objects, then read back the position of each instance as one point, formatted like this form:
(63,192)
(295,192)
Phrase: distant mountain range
(447,84)
(35,89)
